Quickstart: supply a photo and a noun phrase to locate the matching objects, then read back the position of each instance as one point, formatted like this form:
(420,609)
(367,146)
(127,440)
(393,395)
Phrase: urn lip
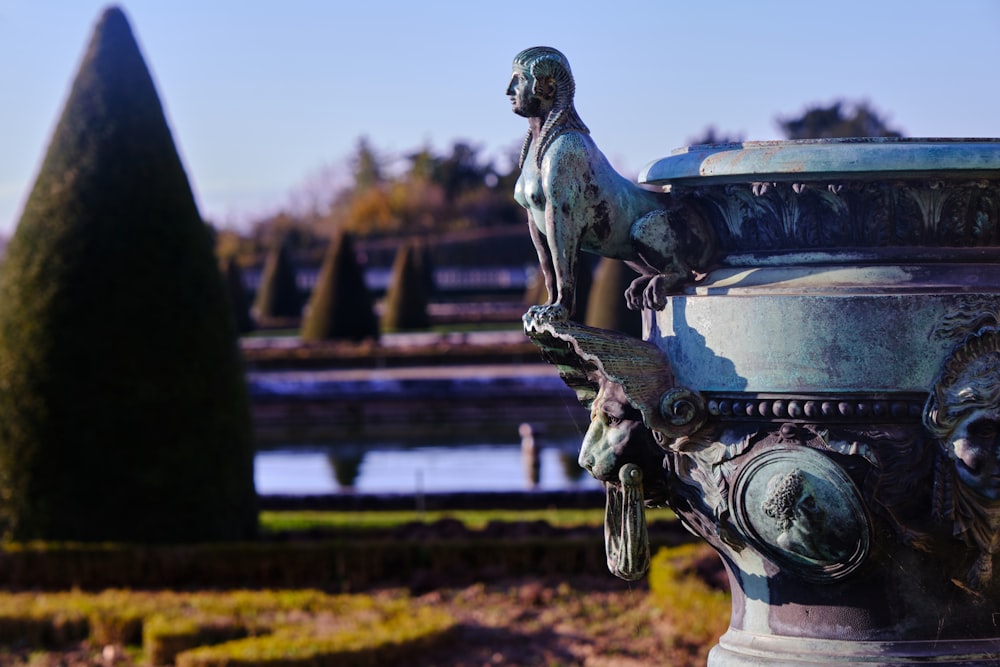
(863,158)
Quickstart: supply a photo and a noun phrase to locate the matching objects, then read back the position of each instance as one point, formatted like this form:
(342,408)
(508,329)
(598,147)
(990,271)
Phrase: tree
(367,166)
(341,306)
(278,294)
(238,296)
(461,171)
(839,120)
(711,135)
(123,410)
(406,300)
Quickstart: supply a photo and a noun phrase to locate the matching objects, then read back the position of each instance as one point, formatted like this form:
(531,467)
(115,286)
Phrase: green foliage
(406,300)
(367,166)
(338,562)
(437,193)
(276,521)
(165,635)
(238,296)
(606,307)
(712,135)
(123,408)
(387,634)
(837,122)
(278,295)
(229,627)
(341,306)
(694,613)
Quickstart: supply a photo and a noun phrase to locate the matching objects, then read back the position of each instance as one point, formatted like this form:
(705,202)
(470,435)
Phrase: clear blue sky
(263,97)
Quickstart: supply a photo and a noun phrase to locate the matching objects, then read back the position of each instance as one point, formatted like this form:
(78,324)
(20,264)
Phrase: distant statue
(577,201)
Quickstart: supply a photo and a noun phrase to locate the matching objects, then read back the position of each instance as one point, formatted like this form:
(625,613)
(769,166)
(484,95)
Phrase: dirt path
(592,621)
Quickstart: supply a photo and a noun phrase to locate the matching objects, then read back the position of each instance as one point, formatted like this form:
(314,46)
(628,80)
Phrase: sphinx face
(523,99)
(617,436)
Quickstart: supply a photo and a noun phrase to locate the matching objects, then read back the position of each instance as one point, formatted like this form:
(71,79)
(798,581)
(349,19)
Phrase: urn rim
(861,158)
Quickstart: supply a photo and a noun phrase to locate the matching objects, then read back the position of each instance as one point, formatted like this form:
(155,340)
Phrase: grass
(279,521)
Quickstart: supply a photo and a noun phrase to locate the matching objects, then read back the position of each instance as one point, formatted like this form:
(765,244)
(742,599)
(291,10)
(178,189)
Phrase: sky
(268,100)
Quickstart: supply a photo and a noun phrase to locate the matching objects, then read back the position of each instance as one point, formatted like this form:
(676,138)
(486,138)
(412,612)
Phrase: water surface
(390,469)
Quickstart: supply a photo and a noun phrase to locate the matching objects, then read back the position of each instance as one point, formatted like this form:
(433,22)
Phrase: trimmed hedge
(164,636)
(394,635)
(341,306)
(407,298)
(278,295)
(124,412)
(239,627)
(344,564)
(238,296)
(695,613)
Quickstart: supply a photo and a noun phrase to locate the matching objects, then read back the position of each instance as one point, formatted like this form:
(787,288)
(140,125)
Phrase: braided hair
(543,62)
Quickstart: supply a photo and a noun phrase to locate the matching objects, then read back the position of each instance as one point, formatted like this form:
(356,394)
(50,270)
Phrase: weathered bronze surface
(577,201)
(818,397)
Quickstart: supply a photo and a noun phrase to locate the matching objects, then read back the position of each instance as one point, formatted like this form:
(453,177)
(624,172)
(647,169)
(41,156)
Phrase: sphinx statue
(577,201)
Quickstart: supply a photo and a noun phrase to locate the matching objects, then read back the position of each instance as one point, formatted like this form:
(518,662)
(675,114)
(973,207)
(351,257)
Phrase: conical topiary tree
(606,308)
(123,408)
(425,267)
(238,296)
(341,305)
(406,298)
(278,296)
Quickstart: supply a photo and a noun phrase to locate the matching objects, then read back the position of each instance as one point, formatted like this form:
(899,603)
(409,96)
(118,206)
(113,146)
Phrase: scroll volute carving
(589,359)
(636,411)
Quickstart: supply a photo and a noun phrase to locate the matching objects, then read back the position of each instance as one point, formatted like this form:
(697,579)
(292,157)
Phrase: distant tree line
(422,194)
(840,119)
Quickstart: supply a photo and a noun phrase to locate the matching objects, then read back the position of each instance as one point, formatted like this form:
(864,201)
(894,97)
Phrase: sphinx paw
(548,313)
(634,295)
(659,289)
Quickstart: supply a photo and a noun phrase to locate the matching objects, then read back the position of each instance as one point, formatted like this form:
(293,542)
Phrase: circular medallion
(802,511)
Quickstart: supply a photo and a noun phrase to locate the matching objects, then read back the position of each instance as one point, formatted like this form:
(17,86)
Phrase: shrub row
(229,628)
(686,584)
(340,564)
(391,639)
